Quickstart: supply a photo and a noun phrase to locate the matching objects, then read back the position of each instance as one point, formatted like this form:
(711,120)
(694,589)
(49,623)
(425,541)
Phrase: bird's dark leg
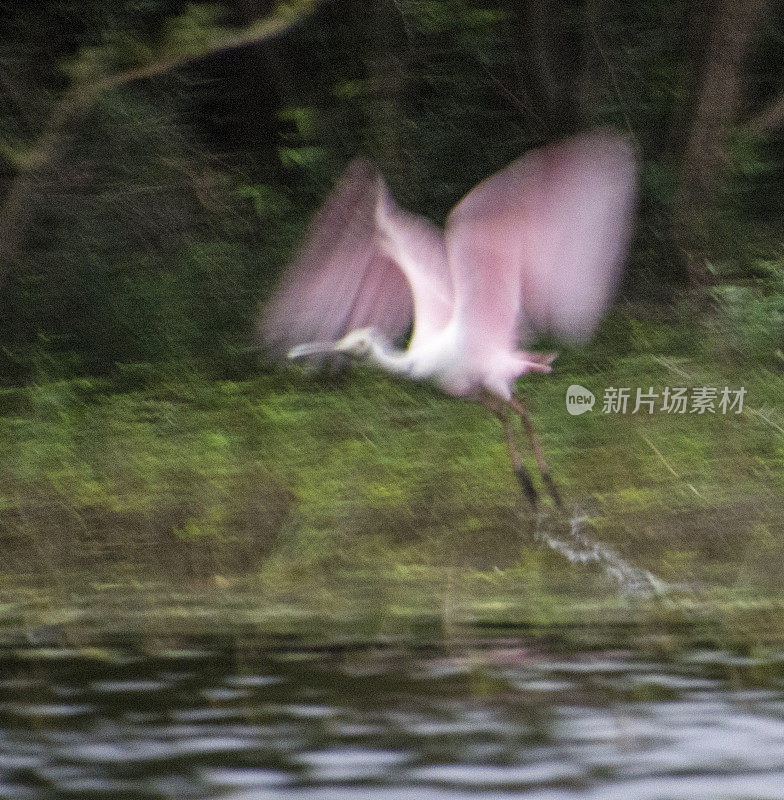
(496,406)
(521,473)
(537,451)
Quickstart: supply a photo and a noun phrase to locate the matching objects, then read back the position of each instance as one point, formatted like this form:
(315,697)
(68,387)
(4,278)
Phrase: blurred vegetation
(159,163)
(372,481)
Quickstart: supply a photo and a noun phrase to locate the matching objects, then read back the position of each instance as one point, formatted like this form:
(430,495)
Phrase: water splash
(581,548)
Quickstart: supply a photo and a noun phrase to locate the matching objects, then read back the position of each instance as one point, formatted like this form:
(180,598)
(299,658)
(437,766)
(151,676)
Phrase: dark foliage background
(165,209)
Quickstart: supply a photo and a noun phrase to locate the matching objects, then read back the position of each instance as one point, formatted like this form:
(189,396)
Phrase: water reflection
(489,722)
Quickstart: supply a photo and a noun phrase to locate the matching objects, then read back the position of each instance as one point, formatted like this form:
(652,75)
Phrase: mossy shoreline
(156,616)
(366,498)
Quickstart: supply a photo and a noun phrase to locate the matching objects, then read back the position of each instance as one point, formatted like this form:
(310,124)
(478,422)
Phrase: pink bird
(536,248)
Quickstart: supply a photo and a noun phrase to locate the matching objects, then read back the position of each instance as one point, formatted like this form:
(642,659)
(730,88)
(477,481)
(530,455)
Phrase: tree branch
(18,205)
(770,118)
(266,28)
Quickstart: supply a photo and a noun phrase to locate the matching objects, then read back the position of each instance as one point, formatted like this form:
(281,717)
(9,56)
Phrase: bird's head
(358,344)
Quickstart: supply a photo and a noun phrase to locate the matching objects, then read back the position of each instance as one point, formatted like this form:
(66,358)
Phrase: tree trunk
(718,100)
(18,205)
(551,70)
(387,126)
(267,86)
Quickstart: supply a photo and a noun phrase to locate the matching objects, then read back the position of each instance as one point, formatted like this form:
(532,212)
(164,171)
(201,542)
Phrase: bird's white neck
(384,356)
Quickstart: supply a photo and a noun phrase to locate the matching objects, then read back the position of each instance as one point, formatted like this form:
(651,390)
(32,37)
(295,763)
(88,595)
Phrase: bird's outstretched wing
(341,278)
(364,263)
(539,246)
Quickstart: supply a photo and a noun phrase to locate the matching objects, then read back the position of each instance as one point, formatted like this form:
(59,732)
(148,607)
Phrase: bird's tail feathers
(524,362)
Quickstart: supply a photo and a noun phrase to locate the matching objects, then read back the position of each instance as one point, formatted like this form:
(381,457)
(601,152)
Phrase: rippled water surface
(498,720)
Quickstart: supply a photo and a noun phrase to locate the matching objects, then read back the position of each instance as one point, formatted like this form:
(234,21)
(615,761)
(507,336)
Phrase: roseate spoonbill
(536,248)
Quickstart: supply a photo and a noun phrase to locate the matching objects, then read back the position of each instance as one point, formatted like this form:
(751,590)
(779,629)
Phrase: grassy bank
(368,497)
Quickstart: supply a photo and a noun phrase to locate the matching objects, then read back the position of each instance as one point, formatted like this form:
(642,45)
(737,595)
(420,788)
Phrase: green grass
(376,499)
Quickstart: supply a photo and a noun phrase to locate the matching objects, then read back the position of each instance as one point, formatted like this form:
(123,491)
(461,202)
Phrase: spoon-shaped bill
(311,349)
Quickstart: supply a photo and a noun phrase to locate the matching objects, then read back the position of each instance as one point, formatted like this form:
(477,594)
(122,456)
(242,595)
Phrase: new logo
(579,400)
